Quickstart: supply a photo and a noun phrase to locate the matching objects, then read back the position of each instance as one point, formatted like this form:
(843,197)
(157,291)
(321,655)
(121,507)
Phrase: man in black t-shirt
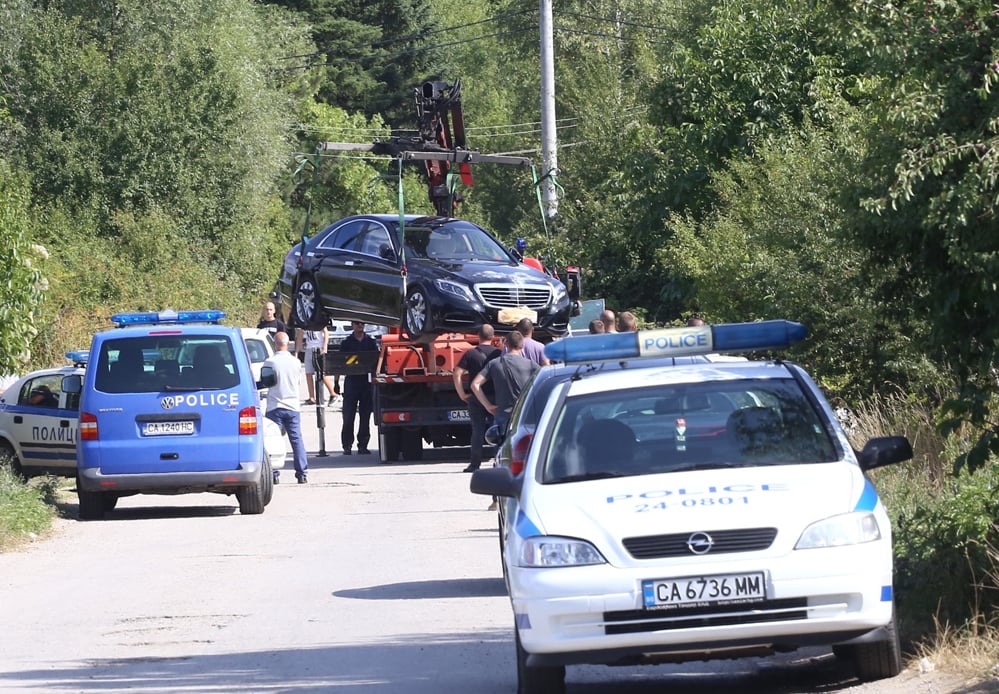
(358,398)
(509,373)
(270,319)
(471,363)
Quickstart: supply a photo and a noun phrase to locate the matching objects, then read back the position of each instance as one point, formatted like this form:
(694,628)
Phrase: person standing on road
(315,343)
(471,363)
(509,373)
(357,395)
(608,318)
(533,350)
(282,402)
(270,320)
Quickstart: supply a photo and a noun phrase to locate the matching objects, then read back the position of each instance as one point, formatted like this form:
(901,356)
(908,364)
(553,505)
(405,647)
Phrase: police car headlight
(839,531)
(547,552)
(454,289)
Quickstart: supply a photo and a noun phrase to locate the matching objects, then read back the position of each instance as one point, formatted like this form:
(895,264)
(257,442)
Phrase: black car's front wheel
(416,315)
(307,311)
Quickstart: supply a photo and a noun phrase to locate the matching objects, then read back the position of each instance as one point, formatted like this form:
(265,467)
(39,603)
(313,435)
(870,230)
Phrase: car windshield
(157,363)
(671,428)
(453,241)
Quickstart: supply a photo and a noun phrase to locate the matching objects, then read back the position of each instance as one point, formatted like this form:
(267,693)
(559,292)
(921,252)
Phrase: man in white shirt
(283,402)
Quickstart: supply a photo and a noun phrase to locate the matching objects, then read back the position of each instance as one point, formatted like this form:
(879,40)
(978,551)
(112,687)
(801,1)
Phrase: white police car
(38,422)
(169,405)
(693,511)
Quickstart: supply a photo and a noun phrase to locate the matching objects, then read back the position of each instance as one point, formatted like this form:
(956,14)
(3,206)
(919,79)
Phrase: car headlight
(839,531)
(455,289)
(548,552)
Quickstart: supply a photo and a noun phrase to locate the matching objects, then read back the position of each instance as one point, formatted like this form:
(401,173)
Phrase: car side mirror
(267,377)
(72,384)
(386,252)
(884,450)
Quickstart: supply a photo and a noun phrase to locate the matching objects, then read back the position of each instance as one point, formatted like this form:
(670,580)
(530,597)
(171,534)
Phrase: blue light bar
(167,316)
(78,357)
(678,342)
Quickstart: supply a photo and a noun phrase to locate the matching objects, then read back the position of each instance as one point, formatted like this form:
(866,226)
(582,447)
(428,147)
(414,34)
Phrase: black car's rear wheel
(306,308)
(416,315)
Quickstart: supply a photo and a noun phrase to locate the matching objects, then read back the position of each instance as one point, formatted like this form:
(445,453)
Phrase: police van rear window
(672,428)
(157,363)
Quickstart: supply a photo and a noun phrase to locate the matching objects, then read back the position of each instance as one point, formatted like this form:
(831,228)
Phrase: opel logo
(700,543)
(168,403)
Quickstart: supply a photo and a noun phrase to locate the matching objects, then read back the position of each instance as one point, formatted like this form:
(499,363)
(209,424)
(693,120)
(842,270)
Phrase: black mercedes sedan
(427,275)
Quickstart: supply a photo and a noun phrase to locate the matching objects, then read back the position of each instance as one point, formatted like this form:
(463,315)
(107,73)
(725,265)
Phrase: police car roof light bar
(678,342)
(79,357)
(167,316)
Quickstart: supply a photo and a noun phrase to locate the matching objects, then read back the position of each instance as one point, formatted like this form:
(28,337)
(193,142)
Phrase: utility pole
(549,149)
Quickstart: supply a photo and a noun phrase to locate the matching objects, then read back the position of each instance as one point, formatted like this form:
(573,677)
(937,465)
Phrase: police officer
(357,395)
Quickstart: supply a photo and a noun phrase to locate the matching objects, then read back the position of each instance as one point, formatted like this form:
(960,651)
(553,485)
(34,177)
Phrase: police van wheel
(8,460)
(251,499)
(109,501)
(537,680)
(91,503)
(267,480)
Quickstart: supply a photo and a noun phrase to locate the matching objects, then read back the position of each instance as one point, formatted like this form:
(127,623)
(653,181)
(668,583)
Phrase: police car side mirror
(267,377)
(884,450)
(72,384)
(496,481)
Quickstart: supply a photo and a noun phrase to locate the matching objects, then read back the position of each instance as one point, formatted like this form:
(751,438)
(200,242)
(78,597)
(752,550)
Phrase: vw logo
(700,543)
(168,403)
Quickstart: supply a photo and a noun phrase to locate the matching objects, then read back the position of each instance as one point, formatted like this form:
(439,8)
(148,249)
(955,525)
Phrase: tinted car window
(345,237)
(735,423)
(456,240)
(156,363)
(374,239)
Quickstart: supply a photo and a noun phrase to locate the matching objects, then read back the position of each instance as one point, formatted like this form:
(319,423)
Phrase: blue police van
(169,405)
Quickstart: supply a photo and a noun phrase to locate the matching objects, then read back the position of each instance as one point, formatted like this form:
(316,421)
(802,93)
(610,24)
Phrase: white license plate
(166,428)
(458,416)
(667,593)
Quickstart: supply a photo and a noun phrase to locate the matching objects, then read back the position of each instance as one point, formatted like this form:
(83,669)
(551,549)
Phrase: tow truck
(414,397)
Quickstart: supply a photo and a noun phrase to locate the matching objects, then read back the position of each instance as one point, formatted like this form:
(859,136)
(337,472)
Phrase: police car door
(43,425)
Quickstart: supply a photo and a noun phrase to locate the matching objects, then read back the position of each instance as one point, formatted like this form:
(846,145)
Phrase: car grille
(675,544)
(512,296)
(638,621)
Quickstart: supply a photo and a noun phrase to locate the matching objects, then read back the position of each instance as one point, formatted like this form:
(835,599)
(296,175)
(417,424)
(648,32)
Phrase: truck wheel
(416,315)
(92,505)
(8,459)
(412,444)
(388,445)
(537,680)
(306,308)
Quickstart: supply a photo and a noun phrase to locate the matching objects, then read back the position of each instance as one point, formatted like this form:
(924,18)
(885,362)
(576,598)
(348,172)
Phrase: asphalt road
(371,578)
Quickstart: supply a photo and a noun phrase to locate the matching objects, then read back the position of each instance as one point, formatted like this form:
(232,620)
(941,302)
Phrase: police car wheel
(879,660)
(109,501)
(8,460)
(537,680)
(267,480)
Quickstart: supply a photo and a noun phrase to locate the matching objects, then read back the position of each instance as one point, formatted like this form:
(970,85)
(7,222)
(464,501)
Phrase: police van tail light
(518,454)
(248,421)
(88,427)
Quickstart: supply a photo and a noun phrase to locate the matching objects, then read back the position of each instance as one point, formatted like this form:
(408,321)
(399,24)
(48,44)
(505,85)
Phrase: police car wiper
(587,476)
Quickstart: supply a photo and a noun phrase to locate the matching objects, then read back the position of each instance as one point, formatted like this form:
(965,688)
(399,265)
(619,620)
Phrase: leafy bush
(25,509)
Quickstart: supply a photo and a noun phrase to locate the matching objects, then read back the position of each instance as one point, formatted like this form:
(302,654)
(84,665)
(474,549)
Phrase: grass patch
(26,509)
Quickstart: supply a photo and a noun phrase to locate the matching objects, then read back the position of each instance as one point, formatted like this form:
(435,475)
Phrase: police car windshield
(672,428)
(155,363)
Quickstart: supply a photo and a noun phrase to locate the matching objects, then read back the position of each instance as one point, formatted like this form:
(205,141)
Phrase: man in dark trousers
(357,395)
(471,363)
(509,373)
